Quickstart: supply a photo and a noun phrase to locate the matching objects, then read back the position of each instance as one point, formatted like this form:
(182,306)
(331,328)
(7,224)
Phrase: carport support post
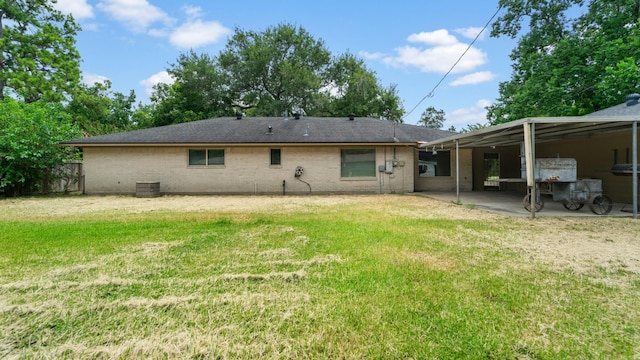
(457,172)
(529,163)
(634,173)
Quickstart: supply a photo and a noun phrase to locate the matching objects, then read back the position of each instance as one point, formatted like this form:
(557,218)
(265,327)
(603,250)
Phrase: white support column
(457,172)
(530,165)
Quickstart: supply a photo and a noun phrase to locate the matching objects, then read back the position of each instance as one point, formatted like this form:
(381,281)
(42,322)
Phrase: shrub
(29,150)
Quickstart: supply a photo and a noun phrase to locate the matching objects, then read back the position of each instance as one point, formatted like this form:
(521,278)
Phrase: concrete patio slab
(511,203)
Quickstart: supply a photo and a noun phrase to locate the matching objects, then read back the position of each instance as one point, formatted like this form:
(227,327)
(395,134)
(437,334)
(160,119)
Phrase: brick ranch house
(268,155)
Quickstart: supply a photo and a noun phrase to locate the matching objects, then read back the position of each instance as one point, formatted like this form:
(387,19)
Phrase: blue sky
(408,43)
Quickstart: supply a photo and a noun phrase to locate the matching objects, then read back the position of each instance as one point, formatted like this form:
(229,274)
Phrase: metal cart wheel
(526,202)
(601,205)
(573,206)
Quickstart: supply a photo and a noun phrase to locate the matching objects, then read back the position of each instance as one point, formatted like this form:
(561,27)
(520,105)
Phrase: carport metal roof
(546,129)
(539,130)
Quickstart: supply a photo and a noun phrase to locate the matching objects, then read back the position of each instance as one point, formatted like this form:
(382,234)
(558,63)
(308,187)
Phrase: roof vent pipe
(632,99)
(352,116)
(238,116)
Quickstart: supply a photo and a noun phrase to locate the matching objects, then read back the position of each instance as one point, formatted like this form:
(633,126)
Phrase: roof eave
(273,144)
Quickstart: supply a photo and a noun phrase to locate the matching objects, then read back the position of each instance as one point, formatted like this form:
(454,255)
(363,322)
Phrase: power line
(431,93)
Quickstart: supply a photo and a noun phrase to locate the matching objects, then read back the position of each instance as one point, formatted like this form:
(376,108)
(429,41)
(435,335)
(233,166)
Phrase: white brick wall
(247,170)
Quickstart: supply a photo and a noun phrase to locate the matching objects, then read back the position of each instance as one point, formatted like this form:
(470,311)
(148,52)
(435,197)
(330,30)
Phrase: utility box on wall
(388,167)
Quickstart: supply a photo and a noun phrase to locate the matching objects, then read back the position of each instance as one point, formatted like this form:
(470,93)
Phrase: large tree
(432,118)
(565,65)
(276,70)
(38,58)
(283,69)
(349,87)
(198,92)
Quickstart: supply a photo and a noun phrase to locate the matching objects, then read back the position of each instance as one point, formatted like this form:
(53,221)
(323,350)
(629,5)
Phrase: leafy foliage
(474,127)
(277,70)
(197,93)
(567,66)
(283,69)
(99,110)
(38,58)
(432,118)
(352,88)
(29,138)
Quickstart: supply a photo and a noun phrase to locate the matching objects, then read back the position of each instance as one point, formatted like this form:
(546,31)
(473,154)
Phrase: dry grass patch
(580,245)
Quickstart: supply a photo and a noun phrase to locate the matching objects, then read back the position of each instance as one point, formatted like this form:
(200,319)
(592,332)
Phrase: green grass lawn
(376,278)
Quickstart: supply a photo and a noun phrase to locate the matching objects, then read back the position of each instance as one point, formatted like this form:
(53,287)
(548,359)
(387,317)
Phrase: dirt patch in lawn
(610,245)
(84,205)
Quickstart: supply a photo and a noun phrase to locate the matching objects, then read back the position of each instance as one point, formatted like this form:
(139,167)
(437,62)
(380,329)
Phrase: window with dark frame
(197,157)
(206,157)
(357,163)
(215,157)
(276,157)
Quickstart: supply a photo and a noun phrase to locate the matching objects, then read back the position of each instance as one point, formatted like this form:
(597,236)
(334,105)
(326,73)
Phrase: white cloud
(196,33)
(438,37)
(193,12)
(160,77)
(90,78)
(371,56)
(436,52)
(158,33)
(78,8)
(439,59)
(140,16)
(475,78)
(475,114)
(471,32)
(137,15)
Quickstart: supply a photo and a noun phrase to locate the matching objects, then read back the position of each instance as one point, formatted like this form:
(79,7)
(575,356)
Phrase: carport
(528,132)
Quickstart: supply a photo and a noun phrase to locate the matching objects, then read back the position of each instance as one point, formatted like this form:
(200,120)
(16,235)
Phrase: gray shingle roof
(626,108)
(255,130)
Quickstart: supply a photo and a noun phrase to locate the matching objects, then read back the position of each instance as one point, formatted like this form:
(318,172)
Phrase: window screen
(358,163)
(197,157)
(215,157)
